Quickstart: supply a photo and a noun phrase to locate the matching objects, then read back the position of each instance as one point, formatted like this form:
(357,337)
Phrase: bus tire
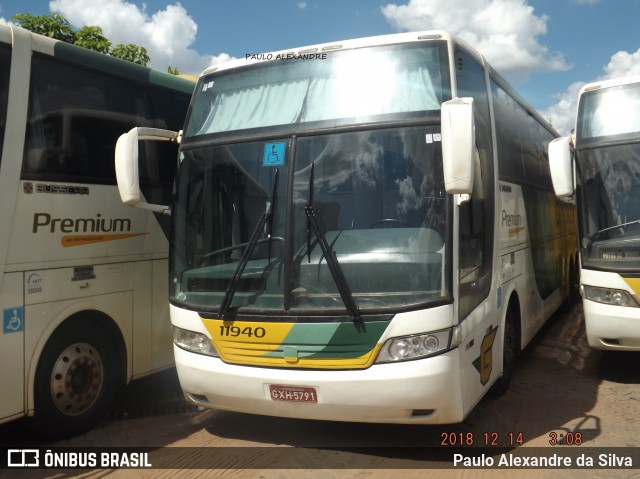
(75,380)
(574,283)
(509,354)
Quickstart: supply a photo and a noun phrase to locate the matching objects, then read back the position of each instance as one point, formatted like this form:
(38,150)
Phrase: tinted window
(522,142)
(476,216)
(76,117)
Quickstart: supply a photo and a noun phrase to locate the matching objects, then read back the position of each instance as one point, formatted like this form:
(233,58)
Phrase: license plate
(293,393)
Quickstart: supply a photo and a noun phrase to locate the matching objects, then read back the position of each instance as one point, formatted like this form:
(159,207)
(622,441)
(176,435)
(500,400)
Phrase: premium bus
(83,279)
(598,167)
(363,231)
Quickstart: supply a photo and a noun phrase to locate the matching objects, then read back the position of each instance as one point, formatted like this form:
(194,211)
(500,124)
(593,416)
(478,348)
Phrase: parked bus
(361,231)
(83,280)
(598,167)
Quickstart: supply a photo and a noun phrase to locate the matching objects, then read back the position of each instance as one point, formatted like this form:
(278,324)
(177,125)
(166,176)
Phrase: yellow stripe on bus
(81,240)
(634,284)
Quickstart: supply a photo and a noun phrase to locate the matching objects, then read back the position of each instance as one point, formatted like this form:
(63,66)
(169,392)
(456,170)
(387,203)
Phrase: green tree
(91,37)
(132,53)
(50,25)
(173,70)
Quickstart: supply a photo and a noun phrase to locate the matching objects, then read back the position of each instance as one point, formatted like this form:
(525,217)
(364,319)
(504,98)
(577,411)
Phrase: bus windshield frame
(376,192)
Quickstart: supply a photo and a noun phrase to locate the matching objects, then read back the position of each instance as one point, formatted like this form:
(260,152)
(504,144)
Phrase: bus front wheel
(75,380)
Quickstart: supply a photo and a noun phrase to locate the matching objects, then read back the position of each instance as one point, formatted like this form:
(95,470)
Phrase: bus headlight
(417,346)
(193,342)
(614,297)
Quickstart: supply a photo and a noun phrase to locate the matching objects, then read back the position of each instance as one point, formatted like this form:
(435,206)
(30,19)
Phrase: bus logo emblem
(484,364)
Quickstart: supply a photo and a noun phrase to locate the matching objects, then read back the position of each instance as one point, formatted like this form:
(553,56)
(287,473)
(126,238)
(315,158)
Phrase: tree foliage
(131,52)
(51,25)
(93,39)
(56,26)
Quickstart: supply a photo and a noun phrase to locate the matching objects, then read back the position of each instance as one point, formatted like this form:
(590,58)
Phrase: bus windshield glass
(610,197)
(608,162)
(332,88)
(609,114)
(375,195)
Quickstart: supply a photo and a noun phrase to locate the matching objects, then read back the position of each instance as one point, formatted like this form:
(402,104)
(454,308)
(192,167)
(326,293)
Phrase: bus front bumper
(423,391)
(612,327)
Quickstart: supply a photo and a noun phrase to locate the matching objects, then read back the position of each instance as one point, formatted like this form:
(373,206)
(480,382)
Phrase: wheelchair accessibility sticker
(274,153)
(13,320)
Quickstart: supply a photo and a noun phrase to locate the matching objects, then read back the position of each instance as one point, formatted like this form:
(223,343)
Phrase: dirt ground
(560,389)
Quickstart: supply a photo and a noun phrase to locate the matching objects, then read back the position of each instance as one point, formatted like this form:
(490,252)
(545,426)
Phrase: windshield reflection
(381,212)
(610,193)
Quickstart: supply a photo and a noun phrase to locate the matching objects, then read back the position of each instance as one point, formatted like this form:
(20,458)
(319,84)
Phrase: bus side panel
(480,352)
(152,338)
(161,336)
(67,222)
(12,347)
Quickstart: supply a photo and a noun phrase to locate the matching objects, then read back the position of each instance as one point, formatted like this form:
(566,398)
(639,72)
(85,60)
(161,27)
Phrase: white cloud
(506,32)
(563,113)
(623,64)
(166,34)
(302,5)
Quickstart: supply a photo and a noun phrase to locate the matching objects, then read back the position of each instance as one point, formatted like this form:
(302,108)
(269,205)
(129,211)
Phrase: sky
(547,49)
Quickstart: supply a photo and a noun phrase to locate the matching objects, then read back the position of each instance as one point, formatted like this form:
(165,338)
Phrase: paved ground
(560,387)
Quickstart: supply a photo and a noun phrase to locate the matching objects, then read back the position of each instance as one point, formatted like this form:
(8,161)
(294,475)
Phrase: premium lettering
(511,220)
(44,221)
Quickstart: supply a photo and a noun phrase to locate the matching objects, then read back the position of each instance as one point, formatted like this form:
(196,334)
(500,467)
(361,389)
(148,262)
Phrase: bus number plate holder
(293,393)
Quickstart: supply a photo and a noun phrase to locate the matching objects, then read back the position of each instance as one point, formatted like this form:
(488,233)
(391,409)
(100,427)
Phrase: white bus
(83,279)
(362,231)
(598,167)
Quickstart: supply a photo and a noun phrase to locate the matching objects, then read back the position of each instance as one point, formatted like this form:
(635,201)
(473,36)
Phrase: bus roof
(252,58)
(99,61)
(396,38)
(610,83)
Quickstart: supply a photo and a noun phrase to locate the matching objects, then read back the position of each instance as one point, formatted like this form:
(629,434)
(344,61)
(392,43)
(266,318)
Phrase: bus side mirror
(458,145)
(561,165)
(127,168)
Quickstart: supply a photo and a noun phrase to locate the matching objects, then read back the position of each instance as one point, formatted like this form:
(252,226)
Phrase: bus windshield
(610,198)
(378,198)
(608,162)
(341,87)
(610,114)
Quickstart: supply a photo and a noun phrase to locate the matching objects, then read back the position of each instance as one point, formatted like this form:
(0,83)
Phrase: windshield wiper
(246,255)
(589,239)
(314,223)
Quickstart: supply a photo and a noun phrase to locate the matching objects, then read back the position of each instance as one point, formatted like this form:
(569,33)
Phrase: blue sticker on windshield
(274,153)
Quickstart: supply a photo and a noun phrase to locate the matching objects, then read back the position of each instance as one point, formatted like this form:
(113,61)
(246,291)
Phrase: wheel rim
(76,379)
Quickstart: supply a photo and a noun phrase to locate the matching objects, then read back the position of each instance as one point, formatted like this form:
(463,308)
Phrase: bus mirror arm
(127,167)
(561,166)
(458,146)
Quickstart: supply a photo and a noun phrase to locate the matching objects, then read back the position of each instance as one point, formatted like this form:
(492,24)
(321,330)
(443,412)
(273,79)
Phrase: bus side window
(75,118)
(476,216)
(5,59)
